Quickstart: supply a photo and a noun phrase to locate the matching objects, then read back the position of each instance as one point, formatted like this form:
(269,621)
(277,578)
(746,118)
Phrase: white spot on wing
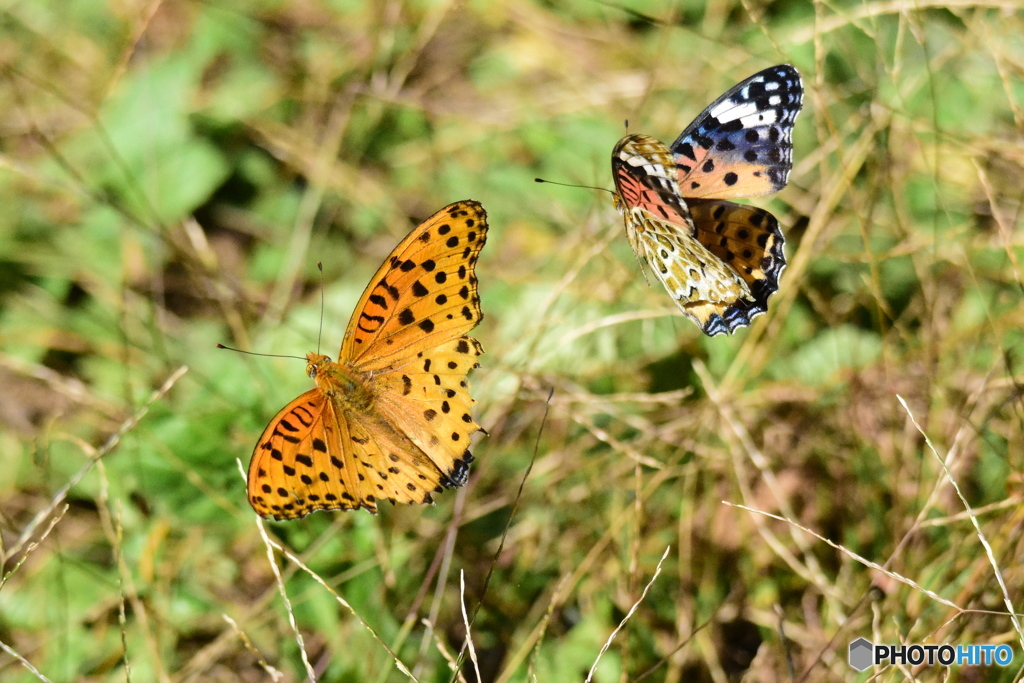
(765,118)
(731,110)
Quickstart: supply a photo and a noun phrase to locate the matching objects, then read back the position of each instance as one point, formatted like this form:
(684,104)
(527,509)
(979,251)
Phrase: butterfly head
(315,363)
(349,386)
(620,204)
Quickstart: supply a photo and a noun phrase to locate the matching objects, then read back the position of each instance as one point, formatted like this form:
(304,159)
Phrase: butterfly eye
(312,369)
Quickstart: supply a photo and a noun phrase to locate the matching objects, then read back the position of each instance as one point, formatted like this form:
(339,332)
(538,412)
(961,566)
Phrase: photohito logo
(864,653)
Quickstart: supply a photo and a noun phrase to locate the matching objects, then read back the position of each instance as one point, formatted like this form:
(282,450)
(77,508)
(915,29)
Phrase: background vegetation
(170,174)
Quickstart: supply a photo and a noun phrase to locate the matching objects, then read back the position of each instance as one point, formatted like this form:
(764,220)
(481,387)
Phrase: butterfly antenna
(508,524)
(253,353)
(320,267)
(585,187)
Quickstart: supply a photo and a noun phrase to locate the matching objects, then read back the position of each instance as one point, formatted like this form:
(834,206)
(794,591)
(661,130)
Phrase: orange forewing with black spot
(741,145)
(392,418)
(425,291)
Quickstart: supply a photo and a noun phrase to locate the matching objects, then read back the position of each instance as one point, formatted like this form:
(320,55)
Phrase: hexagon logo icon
(861,653)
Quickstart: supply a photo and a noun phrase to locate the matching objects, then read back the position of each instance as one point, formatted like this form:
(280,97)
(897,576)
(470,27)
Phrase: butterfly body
(345,385)
(390,419)
(718,260)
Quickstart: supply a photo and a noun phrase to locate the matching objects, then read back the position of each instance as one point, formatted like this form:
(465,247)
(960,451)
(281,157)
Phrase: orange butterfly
(390,420)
